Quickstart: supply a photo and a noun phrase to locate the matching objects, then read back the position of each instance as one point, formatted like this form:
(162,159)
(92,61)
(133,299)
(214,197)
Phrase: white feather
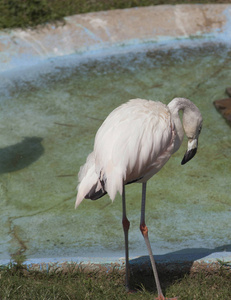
(133,143)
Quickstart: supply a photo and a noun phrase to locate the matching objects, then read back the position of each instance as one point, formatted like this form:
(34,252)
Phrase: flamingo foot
(161,297)
(131,291)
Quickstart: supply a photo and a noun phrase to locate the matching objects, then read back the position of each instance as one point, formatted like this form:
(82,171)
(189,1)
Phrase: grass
(16,282)
(29,13)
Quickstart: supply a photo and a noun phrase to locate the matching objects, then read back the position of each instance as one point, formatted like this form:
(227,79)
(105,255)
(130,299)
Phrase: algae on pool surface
(48,126)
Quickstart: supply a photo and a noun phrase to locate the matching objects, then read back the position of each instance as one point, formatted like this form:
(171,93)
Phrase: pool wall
(115,30)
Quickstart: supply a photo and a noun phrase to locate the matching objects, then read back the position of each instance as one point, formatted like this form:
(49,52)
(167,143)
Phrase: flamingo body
(134,143)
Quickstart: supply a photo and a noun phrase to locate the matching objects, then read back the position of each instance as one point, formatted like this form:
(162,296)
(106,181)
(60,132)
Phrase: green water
(48,127)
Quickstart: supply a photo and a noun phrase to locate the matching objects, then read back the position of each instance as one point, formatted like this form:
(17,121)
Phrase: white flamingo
(134,143)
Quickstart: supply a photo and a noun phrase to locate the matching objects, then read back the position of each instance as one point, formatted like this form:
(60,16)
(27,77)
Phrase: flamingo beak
(190,153)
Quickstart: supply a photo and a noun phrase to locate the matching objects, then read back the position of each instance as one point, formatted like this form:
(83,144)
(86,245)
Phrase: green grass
(16,282)
(29,13)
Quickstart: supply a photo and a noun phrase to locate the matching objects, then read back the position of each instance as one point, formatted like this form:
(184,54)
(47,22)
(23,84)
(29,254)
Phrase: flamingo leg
(144,231)
(126,225)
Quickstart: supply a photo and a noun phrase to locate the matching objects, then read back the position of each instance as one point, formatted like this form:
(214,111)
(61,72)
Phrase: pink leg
(126,225)
(144,231)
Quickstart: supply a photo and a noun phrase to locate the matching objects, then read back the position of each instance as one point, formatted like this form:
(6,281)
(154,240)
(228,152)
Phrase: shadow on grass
(174,266)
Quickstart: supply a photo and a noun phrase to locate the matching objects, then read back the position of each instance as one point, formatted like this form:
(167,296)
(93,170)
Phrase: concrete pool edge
(106,31)
(217,29)
(193,262)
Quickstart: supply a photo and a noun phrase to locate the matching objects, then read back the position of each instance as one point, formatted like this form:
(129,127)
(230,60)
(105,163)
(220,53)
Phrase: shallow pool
(48,124)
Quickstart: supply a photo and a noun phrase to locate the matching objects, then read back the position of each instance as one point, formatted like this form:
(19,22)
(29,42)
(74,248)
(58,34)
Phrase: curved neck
(176,105)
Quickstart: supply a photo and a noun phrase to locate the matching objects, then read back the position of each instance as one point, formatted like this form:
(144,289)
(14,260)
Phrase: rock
(228,91)
(224,107)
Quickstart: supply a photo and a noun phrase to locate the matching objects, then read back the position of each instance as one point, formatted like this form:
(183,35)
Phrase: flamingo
(134,143)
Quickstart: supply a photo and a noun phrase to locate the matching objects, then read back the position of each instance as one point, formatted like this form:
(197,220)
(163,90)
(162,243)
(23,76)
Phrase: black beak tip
(189,155)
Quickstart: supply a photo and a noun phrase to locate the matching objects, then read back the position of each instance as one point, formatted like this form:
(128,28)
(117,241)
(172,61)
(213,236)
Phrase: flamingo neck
(175,106)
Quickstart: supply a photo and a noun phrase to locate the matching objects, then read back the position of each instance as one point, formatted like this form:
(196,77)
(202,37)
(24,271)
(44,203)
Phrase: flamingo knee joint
(144,229)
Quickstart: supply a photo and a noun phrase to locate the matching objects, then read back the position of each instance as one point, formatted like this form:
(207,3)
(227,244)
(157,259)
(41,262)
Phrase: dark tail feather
(95,195)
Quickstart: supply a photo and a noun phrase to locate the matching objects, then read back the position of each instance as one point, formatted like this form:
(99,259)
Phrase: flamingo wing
(133,143)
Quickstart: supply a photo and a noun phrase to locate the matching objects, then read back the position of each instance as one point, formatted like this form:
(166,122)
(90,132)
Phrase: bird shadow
(174,266)
(20,155)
